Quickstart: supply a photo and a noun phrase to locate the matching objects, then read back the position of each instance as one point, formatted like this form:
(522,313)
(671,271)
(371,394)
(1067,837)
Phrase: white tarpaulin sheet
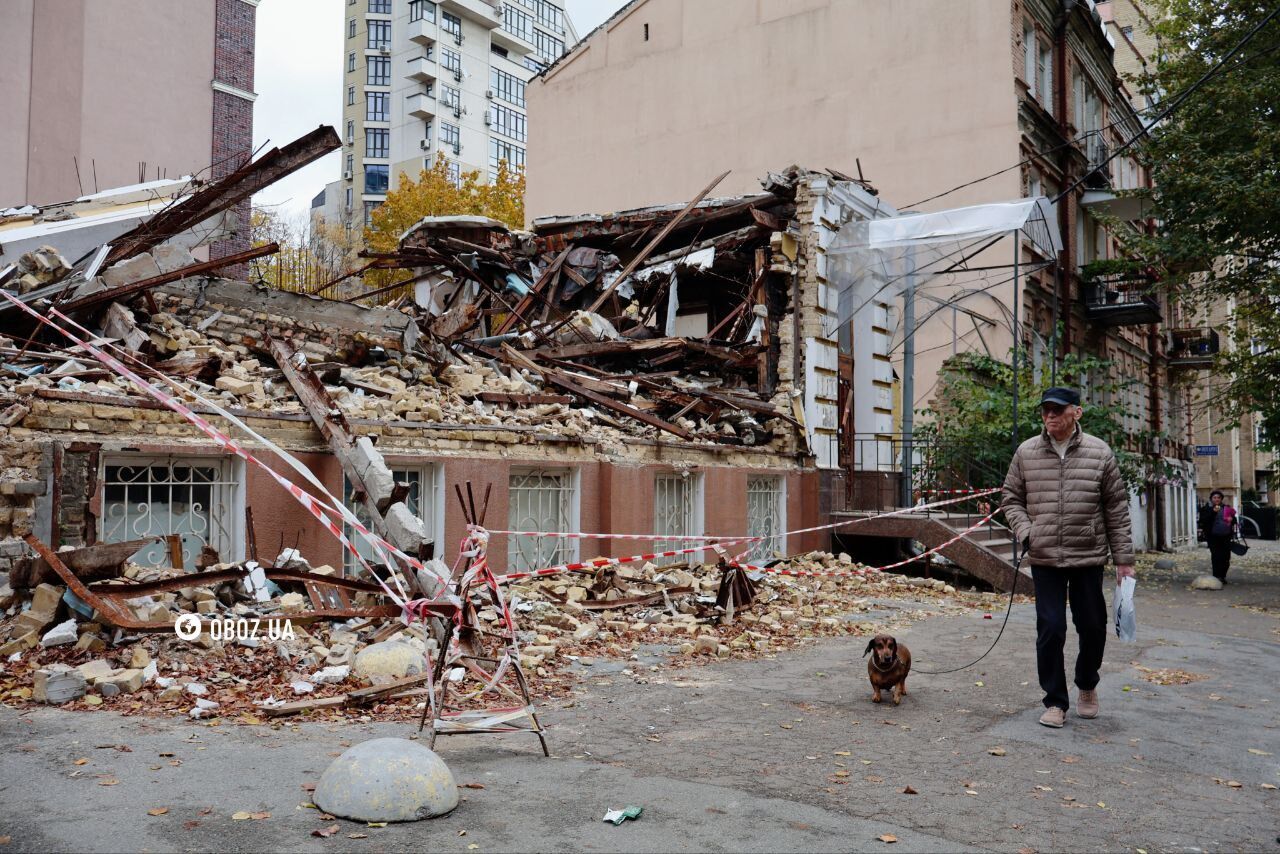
(871,260)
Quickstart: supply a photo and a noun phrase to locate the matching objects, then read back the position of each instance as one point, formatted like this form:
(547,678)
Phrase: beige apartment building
(426,79)
(111,93)
(989,99)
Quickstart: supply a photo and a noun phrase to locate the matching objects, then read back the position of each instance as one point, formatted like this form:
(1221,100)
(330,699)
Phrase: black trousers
(1220,553)
(1054,587)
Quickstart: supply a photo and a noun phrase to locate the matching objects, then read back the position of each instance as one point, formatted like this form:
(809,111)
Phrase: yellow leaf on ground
(997,751)
(157,811)
(82,761)
(110,781)
(240,816)
(887,837)
(1256,752)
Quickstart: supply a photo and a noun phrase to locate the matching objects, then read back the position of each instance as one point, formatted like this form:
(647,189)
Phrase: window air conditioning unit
(457,38)
(457,75)
(457,112)
(488,120)
(346,176)
(489,94)
(385,51)
(424,144)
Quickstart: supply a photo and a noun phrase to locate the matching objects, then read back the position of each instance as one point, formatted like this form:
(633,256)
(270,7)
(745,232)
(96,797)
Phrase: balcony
(423,69)
(513,43)
(1192,348)
(424,32)
(1098,171)
(422,106)
(486,14)
(1120,300)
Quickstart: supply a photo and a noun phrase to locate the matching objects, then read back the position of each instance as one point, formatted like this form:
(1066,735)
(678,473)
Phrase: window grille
(676,511)
(541,500)
(157,496)
(766,517)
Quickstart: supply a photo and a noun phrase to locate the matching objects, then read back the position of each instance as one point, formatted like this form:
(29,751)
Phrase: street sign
(1206,450)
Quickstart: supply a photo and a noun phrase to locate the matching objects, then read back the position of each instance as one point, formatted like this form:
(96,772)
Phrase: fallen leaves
(244,815)
(1269,787)
(997,751)
(326,832)
(110,781)
(1256,752)
(909,791)
(471,785)
(157,811)
(81,762)
(888,838)
(357,836)
(1170,675)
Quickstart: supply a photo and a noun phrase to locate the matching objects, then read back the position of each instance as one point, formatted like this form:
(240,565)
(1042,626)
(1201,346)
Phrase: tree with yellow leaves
(436,193)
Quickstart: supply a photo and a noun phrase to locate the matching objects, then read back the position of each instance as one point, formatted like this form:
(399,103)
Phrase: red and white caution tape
(315,507)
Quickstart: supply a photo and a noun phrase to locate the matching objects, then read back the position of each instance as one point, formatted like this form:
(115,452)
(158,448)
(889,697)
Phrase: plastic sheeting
(874,260)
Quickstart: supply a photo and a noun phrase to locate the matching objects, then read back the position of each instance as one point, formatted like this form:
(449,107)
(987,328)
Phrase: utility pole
(908,373)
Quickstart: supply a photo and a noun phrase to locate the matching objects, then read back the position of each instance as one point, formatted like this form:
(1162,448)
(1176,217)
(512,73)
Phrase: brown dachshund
(888,666)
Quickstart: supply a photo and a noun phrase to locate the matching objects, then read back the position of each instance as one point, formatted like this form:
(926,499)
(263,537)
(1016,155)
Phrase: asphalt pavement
(781,754)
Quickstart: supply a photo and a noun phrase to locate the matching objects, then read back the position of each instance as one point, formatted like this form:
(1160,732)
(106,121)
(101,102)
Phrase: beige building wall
(821,83)
(110,84)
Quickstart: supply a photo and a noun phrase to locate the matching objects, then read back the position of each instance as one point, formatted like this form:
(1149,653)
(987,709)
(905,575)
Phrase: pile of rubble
(248,663)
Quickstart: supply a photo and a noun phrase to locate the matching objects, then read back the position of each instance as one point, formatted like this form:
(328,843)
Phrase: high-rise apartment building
(426,79)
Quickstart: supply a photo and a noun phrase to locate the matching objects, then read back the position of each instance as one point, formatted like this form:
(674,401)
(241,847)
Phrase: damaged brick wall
(232,113)
(239,313)
(23,480)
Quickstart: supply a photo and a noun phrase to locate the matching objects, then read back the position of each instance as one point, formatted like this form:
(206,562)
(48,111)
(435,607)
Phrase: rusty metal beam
(226,192)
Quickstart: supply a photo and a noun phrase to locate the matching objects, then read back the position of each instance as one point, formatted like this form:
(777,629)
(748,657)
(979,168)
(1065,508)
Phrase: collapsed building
(670,369)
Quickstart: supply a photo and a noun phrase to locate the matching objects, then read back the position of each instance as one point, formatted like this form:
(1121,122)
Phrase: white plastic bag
(1126,620)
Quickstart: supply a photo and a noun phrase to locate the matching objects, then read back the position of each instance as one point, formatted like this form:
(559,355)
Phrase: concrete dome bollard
(387,779)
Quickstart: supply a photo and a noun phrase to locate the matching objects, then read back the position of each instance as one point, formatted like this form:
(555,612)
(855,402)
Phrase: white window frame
(759,486)
(1045,76)
(668,520)
(228,500)
(431,512)
(526,553)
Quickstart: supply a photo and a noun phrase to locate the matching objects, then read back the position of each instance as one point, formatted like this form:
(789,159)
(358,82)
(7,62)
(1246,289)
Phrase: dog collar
(892,662)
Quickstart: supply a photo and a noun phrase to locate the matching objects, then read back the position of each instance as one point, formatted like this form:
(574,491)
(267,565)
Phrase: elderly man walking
(1066,503)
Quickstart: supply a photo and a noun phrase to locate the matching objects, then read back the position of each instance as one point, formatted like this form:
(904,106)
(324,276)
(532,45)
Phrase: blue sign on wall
(1206,450)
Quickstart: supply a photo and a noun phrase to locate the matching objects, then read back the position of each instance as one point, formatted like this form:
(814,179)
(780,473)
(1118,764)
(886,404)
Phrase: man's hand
(1124,570)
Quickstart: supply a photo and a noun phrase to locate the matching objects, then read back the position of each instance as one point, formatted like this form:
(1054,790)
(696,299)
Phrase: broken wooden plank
(91,563)
(534,293)
(557,377)
(374,692)
(652,244)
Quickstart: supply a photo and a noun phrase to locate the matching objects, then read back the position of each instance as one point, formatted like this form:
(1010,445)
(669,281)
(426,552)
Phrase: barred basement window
(199,499)
(542,500)
(423,500)
(677,511)
(766,517)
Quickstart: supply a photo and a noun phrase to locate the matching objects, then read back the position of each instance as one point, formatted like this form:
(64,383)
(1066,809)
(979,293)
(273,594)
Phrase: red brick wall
(232,115)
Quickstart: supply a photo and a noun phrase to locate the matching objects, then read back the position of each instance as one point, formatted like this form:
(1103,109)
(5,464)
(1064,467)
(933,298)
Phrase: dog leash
(1008,610)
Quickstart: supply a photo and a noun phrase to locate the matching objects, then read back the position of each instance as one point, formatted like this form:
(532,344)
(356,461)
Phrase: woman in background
(1218,524)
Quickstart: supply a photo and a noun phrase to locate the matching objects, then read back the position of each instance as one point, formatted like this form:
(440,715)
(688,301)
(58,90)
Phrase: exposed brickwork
(233,58)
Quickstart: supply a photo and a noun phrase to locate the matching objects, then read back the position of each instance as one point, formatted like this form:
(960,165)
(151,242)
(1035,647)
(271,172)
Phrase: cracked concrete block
(170,257)
(405,529)
(373,470)
(133,270)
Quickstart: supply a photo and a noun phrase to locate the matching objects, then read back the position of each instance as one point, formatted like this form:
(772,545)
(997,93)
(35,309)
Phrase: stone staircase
(986,553)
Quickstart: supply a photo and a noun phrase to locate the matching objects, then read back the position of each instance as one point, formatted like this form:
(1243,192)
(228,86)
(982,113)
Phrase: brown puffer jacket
(1074,509)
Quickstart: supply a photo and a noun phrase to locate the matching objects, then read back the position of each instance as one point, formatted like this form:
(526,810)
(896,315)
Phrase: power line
(1036,155)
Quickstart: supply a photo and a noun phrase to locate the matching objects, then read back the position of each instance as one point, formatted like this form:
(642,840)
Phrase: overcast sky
(298,78)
